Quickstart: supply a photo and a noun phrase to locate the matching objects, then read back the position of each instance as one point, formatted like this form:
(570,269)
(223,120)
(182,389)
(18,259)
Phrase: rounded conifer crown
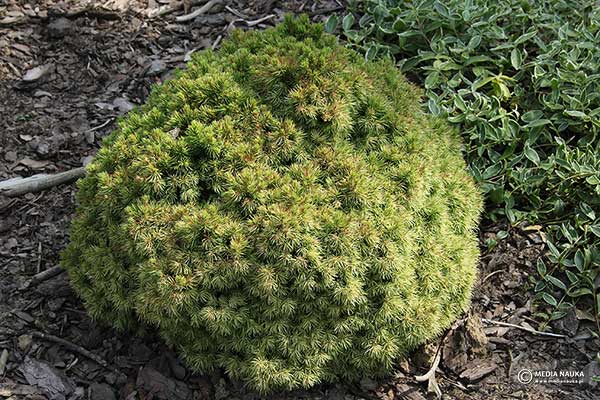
(281,209)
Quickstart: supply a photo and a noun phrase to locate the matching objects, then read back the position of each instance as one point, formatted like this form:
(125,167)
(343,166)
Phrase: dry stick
(488,276)
(3,360)
(170,8)
(45,275)
(530,330)
(216,42)
(200,11)
(95,128)
(431,372)
(18,186)
(236,12)
(249,23)
(432,385)
(260,20)
(39,260)
(75,348)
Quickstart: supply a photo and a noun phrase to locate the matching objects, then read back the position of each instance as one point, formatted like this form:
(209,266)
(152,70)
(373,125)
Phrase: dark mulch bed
(96,65)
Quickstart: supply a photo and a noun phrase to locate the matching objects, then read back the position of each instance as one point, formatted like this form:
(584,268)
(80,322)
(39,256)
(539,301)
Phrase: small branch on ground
(432,385)
(43,276)
(249,23)
(325,11)
(3,360)
(260,20)
(236,12)
(76,348)
(95,128)
(216,42)
(18,186)
(523,328)
(171,8)
(38,266)
(205,8)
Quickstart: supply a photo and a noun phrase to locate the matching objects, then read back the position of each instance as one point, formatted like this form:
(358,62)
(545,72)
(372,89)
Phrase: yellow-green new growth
(283,210)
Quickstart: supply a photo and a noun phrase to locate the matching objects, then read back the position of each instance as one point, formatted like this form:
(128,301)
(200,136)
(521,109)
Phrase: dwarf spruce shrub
(282,210)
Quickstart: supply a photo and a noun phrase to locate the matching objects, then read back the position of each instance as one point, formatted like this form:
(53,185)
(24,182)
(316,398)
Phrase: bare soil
(68,70)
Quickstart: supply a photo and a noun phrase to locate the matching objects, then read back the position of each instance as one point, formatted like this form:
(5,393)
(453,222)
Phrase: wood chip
(34,164)
(477,369)
(11,388)
(36,73)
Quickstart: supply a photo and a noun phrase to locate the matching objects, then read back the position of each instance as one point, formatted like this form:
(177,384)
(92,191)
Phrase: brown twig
(171,8)
(89,11)
(45,275)
(216,42)
(325,11)
(429,376)
(523,328)
(488,276)
(18,186)
(76,348)
(260,20)
(249,23)
(38,267)
(95,128)
(3,360)
(205,8)
(236,12)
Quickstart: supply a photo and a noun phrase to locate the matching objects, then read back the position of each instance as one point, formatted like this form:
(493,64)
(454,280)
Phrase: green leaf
(539,122)
(532,115)
(477,59)
(502,234)
(371,53)
(541,267)
(492,171)
(579,292)
(347,22)
(549,299)
(557,315)
(588,211)
(482,82)
(431,80)
(572,277)
(579,260)
(595,229)
(501,89)
(576,114)
(539,286)
(556,282)
(510,214)
(553,250)
(441,9)
(433,107)
(516,58)
(525,37)
(532,155)
(331,23)
(474,42)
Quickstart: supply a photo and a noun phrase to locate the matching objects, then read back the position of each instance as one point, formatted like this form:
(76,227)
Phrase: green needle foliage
(283,210)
